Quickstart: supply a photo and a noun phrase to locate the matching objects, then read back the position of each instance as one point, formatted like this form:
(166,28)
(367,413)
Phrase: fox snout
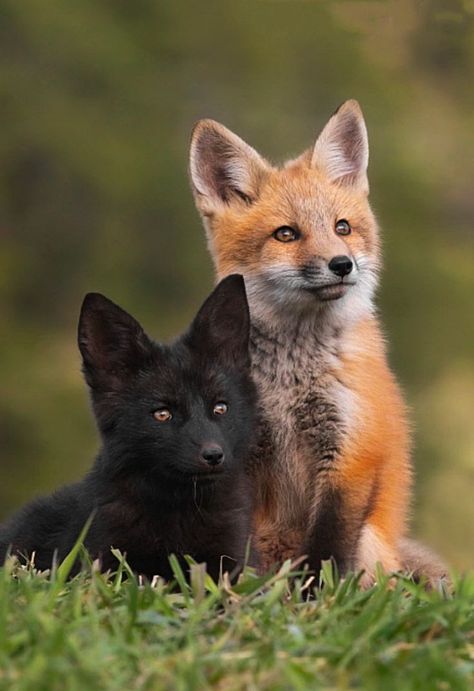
(326,270)
(341,265)
(212,455)
(329,279)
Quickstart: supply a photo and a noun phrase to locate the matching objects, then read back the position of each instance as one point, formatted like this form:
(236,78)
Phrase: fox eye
(285,234)
(162,415)
(220,408)
(343,227)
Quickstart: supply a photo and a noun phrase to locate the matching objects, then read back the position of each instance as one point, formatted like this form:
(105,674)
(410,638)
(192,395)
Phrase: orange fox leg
(359,515)
(374,549)
(386,523)
(336,528)
(384,528)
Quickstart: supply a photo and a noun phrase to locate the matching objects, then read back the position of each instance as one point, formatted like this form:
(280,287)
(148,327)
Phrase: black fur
(153,492)
(333,531)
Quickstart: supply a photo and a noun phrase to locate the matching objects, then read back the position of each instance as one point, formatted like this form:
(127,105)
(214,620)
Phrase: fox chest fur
(307,411)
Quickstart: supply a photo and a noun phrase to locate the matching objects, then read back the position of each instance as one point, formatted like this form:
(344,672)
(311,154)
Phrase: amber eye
(286,234)
(162,415)
(220,408)
(343,227)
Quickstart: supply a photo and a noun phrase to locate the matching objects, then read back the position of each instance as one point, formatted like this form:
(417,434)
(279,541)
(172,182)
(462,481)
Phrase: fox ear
(223,167)
(221,328)
(342,148)
(113,345)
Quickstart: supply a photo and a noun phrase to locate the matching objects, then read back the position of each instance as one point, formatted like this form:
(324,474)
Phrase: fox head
(303,235)
(179,413)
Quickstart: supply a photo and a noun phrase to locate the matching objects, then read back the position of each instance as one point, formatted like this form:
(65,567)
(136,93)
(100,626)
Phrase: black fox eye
(286,234)
(162,415)
(343,227)
(220,408)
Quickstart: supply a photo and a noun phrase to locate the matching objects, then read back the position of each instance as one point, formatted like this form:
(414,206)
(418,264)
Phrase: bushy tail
(423,564)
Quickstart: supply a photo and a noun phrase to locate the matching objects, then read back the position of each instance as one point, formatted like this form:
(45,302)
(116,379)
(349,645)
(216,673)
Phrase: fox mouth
(331,291)
(204,478)
(209,475)
(196,476)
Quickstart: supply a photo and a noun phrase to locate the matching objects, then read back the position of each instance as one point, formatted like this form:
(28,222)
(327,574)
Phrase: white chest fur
(305,405)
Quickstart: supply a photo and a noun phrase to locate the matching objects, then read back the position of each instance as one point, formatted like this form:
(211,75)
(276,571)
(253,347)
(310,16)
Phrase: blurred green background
(98,98)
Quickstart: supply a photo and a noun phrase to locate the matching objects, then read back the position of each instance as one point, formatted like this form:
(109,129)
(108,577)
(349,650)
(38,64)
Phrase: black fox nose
(213,455)
(341,265)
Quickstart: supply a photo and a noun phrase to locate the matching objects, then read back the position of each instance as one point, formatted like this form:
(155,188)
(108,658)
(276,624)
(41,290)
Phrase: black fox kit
(175,423)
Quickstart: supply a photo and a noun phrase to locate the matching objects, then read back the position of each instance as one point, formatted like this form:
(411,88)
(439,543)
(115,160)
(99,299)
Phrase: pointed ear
(342,148)
(113,345)
(221,328)
(223,167)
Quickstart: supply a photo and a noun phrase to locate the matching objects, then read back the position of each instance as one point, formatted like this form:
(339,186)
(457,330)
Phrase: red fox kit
(332,469)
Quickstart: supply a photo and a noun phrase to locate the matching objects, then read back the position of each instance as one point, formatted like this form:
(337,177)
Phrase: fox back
(175,423)
(332,465)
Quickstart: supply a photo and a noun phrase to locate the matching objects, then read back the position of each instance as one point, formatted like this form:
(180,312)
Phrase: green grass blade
(64,569)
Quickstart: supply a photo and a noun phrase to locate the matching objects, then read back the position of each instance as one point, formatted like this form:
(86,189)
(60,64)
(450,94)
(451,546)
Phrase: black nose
(341,265)
(213,455)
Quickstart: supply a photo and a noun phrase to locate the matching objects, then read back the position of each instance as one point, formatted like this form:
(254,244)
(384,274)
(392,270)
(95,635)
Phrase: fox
(332,465)
(175,423)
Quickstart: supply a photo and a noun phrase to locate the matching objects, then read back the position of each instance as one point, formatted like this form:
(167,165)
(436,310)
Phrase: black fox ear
(221,328)
(112,343)
(223,167)
(342,148)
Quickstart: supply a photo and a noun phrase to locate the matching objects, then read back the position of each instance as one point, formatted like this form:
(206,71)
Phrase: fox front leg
(335,530)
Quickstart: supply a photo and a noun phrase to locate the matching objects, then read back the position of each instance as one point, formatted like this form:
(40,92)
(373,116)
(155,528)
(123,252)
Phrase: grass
(99,631)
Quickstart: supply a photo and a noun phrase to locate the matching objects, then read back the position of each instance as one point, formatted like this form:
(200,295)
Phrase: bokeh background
(98,98)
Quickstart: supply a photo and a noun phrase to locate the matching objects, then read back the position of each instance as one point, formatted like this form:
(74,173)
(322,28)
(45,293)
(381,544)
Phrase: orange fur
(242,200)
(378,449)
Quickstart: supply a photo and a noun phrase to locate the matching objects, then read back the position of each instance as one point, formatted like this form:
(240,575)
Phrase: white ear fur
(342,148)
(222,166)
